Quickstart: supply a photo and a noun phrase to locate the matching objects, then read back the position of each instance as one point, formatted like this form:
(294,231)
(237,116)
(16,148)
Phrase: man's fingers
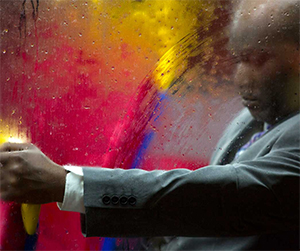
(10,147)
(5,157)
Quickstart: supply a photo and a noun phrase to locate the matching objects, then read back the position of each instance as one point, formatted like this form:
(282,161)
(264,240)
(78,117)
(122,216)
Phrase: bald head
(265,22)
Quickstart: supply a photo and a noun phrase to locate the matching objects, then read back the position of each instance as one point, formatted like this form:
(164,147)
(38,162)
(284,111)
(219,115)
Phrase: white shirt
(73,197)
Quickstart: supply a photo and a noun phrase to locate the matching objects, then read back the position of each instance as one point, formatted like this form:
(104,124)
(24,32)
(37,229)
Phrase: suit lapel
(238,136)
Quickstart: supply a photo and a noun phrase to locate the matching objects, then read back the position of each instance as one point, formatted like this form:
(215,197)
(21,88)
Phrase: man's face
(265,70)
(263,76)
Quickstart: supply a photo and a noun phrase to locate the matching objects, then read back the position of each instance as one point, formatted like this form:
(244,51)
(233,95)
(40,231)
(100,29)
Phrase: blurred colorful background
(116,83)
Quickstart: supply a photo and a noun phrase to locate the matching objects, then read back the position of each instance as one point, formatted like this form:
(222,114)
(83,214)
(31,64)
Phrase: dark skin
(267,74)
(273,96)
(267,78)
(29,176)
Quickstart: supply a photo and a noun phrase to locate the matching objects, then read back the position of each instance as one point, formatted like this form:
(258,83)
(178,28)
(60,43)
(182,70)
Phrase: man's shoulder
(292,120)
(287,128)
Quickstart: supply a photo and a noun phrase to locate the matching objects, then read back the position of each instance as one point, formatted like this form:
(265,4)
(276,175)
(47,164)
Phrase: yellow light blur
(11,134)
(15,140)
(154,24)
(174,62)
(6,138)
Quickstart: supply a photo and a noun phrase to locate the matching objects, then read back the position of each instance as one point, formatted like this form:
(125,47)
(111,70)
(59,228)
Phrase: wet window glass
(121,83)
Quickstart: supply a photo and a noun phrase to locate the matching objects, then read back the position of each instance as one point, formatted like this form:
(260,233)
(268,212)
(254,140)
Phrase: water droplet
(80,34)
(112,68)
(4,51)
(259,41)
(32,45)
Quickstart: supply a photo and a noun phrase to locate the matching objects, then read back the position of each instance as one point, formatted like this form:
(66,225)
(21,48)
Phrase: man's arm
(259,194)
(232,200)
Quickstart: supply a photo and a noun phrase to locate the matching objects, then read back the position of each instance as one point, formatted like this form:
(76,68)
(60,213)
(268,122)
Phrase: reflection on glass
(131,84)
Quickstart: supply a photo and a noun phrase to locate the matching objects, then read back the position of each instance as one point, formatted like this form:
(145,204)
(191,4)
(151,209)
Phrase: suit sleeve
(253,196)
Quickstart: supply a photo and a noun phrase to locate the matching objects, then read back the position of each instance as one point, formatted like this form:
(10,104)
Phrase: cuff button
(123,200)
(132,201)
(106,200)
(115,200)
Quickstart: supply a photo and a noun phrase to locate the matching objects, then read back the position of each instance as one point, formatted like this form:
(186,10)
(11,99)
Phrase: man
(248,198)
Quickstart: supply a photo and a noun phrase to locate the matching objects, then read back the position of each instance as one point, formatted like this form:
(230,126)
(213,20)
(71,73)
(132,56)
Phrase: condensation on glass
(130,84)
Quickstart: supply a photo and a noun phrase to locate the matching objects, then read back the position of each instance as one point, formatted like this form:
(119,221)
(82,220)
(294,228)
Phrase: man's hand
(28,176)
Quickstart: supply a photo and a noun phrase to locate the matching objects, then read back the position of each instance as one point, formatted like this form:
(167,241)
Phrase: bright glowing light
(11,139)
(14,140)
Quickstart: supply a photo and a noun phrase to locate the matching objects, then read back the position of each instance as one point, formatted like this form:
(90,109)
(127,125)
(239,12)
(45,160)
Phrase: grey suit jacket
(257,194)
